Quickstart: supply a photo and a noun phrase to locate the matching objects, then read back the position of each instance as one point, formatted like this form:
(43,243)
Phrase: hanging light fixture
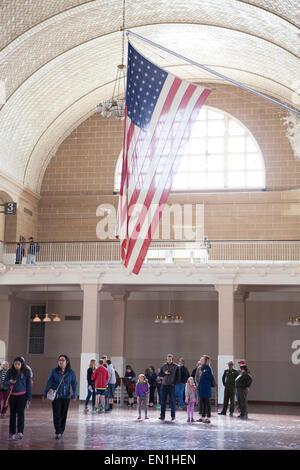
(116,106)
(293,321)
(170,317)
(47,317)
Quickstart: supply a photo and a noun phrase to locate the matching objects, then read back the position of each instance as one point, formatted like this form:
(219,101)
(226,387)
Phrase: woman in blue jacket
(18,380)
(204,378)
(61,378)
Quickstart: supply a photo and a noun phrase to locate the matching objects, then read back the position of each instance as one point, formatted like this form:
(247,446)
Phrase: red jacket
(100,376)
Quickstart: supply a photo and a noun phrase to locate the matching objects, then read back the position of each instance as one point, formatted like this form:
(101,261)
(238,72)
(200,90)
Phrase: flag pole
(234,82)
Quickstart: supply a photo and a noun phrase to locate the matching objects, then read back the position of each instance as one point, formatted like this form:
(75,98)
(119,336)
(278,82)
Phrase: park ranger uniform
(243,381)
(228,380)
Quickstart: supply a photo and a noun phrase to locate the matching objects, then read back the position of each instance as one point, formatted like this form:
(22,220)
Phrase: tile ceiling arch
(76,26)
(54,89)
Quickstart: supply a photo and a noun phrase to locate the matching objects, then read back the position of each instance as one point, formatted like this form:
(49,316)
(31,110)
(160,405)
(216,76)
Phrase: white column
(5,304)
(90,332)
(239,327)
(118,332)
(231,332)
(225,332)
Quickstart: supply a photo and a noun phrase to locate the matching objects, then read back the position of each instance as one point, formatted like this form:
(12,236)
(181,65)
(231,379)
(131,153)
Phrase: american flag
(160,110)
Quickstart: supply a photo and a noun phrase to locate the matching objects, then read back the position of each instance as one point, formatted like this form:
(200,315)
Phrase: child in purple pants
(191,397)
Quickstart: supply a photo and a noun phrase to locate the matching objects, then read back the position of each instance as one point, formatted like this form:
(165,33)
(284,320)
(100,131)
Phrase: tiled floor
(268,427)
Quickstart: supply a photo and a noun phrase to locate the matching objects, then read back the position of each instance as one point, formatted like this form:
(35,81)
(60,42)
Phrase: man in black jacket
(169,372)
(183,375)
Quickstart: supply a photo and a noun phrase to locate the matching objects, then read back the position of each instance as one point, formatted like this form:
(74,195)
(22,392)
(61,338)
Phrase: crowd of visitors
(172,382)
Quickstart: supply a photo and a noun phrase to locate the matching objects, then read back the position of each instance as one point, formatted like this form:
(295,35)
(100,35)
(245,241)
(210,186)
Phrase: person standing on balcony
(33,249)
(19,254)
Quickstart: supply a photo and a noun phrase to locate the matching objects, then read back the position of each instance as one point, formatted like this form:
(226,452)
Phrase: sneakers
(139,417)
(58,436)
(162,418)
(188,420)
(207,420)
(157,406)
(200,420)
(94,410)
(19,435)
(146,417)
(192,420)
(12,436)
(222,413)
(173,419)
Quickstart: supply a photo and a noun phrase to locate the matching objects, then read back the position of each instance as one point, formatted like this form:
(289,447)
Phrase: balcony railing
(161,251)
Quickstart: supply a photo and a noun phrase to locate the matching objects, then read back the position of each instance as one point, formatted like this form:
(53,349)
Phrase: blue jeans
(89,395)
(30,259)
(159,394)
(165,391)
(179,389)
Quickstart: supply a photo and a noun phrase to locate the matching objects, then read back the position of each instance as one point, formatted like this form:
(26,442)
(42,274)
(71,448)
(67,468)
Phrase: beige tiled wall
(81,177)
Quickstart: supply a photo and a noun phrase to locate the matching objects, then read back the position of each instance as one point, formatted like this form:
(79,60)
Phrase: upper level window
(221,154)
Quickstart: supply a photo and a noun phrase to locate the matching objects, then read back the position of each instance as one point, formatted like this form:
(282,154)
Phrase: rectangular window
(37,330)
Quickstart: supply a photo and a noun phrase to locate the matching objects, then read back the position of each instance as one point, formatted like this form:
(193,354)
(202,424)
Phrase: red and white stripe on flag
(159,118)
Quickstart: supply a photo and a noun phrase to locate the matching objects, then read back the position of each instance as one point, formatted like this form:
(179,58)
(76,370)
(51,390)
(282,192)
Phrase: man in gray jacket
(169,372)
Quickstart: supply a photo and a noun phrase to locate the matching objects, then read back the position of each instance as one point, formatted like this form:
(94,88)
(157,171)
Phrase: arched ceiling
(58,60)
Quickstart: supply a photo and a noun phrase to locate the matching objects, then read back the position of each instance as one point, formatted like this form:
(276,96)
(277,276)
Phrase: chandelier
(47,318)
(293,321)
(115,107)
(170,317)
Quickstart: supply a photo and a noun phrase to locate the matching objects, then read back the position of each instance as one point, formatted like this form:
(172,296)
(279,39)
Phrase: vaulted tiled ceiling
(58,60)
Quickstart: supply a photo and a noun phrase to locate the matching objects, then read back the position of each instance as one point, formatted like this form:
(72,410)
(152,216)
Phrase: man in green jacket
(242,383)
(228,380)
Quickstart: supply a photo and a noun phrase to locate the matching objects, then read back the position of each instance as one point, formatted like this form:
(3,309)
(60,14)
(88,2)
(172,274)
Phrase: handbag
(213,382)
(51,395)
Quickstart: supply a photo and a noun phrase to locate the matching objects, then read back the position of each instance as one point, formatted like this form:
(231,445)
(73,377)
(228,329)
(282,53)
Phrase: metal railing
(161,251)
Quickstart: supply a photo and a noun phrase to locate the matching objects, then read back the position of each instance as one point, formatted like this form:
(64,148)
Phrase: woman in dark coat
(130,375)
(151,377)
(204,377)
(91,386)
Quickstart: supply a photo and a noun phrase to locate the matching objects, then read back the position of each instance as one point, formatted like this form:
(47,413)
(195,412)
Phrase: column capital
(118,297)
(241,296)
(120,294)
(226,287)
(99,286)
